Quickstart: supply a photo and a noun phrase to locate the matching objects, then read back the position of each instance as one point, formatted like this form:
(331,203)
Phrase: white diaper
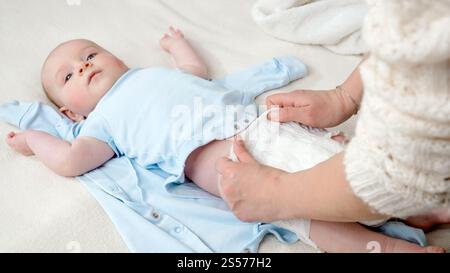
(291,147)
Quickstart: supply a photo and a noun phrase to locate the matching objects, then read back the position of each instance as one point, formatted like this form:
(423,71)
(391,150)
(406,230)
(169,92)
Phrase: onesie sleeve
(97,127)
(272,74)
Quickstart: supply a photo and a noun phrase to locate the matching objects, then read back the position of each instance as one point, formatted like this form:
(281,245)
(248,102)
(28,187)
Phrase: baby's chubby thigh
(200,165)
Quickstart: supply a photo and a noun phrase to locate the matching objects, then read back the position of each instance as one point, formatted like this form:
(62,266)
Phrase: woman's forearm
(326,187)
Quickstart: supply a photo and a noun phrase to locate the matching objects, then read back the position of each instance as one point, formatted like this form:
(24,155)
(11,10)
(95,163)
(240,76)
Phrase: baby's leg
(200,165)
(430,220)
(353,237)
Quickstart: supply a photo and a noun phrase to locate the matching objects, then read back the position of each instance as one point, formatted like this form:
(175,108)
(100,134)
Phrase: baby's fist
(169,39)
(18,142)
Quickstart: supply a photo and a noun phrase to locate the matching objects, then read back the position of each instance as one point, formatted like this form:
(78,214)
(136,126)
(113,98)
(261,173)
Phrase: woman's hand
(18,142)
(321,109)
(255,192)
(249,188)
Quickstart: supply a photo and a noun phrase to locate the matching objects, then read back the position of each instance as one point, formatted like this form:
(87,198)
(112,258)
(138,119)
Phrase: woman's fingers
(281,100)
(241,152)
(224,166)
(285,114)
(293,106)
(295,98)
(288,114)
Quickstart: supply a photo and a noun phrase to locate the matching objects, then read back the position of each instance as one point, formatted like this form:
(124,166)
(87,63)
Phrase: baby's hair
(46,91)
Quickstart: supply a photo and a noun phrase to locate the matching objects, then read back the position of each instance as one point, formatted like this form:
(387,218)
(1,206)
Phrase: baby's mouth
(92,75)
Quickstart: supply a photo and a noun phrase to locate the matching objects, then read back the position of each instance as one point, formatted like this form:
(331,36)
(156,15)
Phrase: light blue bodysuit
(158,116)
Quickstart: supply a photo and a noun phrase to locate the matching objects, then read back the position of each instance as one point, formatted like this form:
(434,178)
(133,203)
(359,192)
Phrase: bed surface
(42,212)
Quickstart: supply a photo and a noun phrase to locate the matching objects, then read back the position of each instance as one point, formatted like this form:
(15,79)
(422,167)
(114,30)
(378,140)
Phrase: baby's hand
(18,142)
(168,40)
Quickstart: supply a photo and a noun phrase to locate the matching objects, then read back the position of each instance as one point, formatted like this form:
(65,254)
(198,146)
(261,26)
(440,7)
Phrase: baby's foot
(169,39)
(392,245)
(429,221)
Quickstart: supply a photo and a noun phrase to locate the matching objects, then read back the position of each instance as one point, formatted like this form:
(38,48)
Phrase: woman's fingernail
(275,115)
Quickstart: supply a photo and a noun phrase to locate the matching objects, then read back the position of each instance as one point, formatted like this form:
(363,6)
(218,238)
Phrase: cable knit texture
(399,159)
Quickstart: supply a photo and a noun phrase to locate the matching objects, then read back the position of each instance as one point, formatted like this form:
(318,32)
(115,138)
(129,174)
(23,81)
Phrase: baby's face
(78,73)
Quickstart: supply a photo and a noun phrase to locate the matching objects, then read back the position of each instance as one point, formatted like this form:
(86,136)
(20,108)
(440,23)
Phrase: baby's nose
(83,68)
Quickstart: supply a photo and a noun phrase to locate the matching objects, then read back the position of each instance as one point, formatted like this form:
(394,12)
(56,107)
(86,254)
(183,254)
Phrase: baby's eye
(67,78)
(91,56)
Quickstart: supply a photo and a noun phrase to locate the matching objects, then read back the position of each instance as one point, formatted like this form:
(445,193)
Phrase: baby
(127,112)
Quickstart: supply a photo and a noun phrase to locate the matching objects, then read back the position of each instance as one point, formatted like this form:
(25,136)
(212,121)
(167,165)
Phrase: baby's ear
(71,115)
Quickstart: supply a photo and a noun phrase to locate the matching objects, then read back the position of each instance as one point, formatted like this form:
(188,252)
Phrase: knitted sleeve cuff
(408,31)
(364,172)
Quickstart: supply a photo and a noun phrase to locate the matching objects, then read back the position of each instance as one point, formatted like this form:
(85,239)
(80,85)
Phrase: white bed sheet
(42,212)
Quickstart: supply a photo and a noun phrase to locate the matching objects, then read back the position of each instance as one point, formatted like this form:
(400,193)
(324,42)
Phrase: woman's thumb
(241,152)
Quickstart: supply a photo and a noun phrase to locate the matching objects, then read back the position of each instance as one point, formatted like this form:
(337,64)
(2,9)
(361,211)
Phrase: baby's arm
(183,54)
(65,159)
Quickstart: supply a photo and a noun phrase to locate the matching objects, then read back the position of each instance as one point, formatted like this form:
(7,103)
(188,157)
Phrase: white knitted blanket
(335,24)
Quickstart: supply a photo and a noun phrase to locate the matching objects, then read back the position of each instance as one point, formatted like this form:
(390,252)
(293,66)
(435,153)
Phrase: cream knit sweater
(399,159)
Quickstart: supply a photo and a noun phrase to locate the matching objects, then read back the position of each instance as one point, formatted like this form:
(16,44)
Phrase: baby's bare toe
(435,249)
